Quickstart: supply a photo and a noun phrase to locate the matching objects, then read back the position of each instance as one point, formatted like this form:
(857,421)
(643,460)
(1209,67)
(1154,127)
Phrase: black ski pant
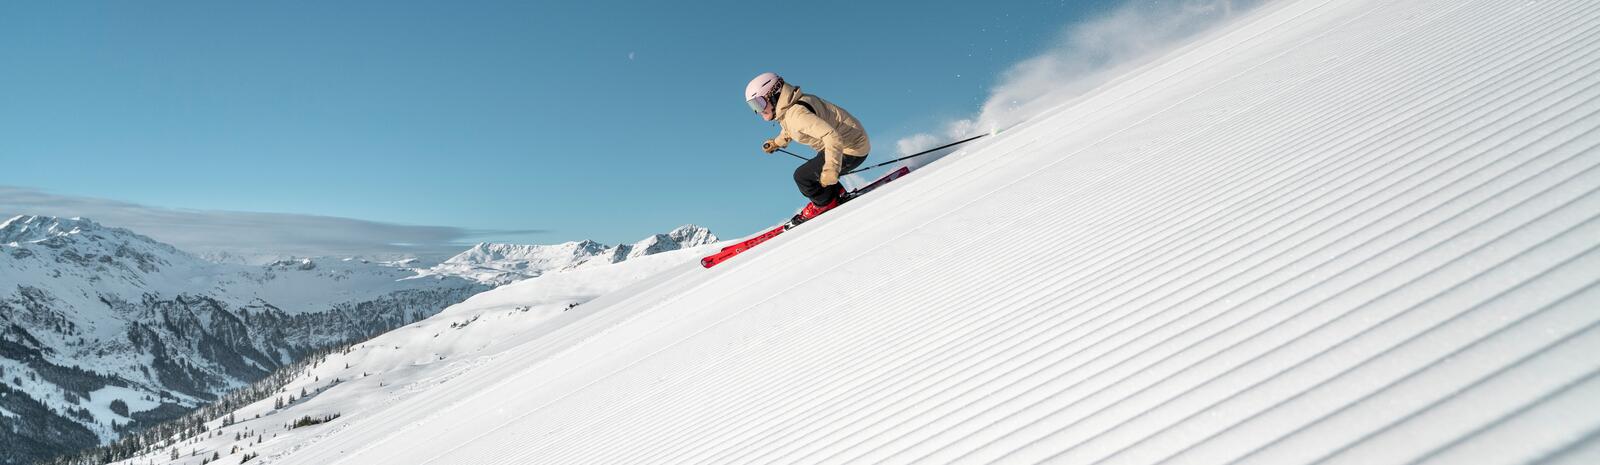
(809,178)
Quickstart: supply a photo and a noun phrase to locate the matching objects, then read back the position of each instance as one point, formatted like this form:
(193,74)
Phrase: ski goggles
(759,105)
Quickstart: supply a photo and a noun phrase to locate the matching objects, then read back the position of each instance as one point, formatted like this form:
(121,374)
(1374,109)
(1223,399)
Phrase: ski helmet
(762,94)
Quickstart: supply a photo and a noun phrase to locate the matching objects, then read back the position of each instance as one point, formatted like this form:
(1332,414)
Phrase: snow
(112,302)
(27,228)
(409,361)
(1330,231)
(73,291)
(99,403)
(498,264)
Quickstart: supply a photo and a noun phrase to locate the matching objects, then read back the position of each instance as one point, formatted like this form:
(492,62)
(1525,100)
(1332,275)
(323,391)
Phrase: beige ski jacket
(828,129)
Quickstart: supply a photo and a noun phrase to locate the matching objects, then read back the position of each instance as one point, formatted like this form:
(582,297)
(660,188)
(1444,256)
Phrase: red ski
(736,249)
(729,251)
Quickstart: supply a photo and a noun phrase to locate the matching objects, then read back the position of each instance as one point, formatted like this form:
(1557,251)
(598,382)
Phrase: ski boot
(812,210)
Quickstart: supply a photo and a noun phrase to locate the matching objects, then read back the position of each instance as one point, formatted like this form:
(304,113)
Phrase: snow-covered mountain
(102,328)
(407,362)
(505,263)
(1360,232)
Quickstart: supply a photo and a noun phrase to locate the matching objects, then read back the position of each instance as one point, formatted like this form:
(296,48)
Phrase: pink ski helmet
(762,94)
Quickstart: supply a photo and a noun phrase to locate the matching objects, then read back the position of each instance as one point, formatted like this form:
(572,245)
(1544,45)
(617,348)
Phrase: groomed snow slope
(1342,231)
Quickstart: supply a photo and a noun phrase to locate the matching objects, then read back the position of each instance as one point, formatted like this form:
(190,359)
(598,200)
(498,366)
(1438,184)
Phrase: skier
(840,141)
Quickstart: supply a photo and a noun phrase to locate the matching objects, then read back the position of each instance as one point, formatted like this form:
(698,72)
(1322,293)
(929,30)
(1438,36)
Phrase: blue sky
(602,120)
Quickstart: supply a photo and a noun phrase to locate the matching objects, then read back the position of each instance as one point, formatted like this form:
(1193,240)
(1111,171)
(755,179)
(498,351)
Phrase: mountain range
(498,264)
(105,331)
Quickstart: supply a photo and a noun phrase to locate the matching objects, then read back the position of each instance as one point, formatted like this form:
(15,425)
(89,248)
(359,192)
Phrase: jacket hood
(786,98)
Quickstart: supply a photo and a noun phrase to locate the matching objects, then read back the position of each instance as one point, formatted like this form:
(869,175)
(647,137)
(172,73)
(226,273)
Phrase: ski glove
(770,146)
(828,179)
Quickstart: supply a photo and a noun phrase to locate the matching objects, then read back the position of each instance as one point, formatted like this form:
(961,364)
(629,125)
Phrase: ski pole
(914,155)
(793,155)
(918,154)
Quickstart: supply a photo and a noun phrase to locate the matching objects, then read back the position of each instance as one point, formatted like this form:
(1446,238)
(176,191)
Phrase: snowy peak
(302,264)
(497,264)
(683,237)
(558,255)
(34,228)
(83,247)
(691,236)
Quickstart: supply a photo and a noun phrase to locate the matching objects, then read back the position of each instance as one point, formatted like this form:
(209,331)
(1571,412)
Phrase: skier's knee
(805,179)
